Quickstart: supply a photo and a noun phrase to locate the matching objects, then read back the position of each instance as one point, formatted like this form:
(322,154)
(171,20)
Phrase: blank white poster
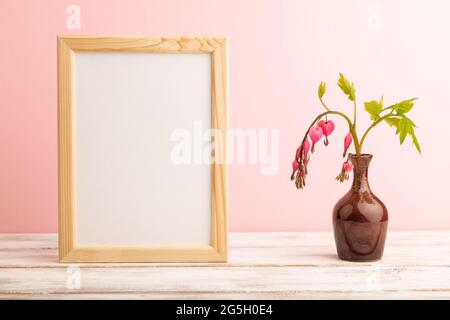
(128,189)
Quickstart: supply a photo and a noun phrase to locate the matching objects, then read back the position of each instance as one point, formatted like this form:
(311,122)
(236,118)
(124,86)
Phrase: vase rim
(362,155)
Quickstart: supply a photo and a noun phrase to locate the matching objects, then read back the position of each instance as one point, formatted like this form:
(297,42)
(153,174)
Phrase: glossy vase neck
(360,171)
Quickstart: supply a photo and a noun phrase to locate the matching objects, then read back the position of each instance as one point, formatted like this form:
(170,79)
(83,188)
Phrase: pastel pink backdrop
(280,51)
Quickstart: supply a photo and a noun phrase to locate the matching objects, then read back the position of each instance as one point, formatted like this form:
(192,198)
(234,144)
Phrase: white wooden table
(261,266)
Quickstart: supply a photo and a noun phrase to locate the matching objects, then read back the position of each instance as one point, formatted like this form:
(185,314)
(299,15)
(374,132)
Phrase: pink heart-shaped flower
(327,127)
(347,142)
(347,167)
(294,165)
(306,146)
(298,152)
(315,133)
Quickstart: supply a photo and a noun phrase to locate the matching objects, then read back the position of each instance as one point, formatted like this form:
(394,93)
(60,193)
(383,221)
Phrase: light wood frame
(68,250)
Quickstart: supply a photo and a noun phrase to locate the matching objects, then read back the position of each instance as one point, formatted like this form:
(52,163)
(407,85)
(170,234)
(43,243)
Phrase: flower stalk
(393,115)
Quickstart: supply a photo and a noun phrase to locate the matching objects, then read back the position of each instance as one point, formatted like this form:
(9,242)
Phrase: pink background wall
(280,51)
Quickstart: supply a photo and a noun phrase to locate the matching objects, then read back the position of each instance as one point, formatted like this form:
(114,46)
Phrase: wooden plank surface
(261,266)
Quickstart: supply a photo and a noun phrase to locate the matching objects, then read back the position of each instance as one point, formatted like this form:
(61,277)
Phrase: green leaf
(393,122)
(404,106)
(374,108)
(416,143)
(405,126)
(346,87)
(402,134)
(322,89)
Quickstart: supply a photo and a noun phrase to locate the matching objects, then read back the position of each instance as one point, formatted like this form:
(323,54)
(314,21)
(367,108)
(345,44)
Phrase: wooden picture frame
(69,250)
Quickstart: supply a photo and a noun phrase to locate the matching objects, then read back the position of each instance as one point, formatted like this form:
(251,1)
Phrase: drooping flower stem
(350,127)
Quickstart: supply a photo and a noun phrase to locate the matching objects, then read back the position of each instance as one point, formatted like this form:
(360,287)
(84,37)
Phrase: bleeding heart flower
(347,142)
(315,133)
(327,128)
(295,165)
(298,152)
(299,165)
(294,168)
(347,166)
(306,146)
(300,179)
(305,163)
(344,175)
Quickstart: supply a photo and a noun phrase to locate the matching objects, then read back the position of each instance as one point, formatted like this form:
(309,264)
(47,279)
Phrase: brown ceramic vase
(360,219)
